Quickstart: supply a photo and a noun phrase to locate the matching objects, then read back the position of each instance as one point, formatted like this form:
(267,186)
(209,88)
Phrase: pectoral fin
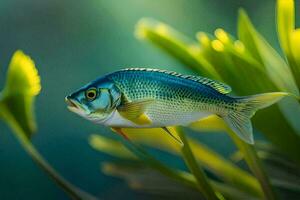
(135,111)
(173,136)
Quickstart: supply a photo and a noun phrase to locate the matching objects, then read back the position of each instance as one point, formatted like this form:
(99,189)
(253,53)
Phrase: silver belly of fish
(160,114)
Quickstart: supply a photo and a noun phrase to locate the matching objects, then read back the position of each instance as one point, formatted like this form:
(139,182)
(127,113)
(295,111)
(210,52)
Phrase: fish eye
(91,94)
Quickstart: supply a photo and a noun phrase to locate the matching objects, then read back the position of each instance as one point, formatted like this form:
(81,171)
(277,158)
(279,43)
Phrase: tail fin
(239,120)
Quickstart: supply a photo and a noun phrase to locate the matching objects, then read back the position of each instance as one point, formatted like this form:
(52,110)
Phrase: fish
(156,98)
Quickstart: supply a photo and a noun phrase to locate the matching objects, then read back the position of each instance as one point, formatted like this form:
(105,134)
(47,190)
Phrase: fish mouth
(71,103)
(75,107)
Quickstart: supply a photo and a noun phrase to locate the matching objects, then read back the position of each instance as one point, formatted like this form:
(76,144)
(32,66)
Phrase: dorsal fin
(216,85)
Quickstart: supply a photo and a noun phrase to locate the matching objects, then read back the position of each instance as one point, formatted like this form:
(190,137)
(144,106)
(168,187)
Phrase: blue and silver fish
(141,97)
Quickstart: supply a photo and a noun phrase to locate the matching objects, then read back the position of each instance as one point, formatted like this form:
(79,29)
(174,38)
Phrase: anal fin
(241,125)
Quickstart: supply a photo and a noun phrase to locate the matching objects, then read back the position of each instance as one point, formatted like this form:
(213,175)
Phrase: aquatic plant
(17,111)
(250,65)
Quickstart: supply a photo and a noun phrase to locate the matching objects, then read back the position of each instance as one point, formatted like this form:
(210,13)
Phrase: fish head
(95,101)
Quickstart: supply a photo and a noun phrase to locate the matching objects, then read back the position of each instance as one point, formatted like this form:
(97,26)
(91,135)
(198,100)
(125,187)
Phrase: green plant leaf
(148,181)
(288,37)
(255,165)
(22,85)
(70,189)
(295,48)
(285,23)
(175,44)
(16,109)
(181,177)
(111,147)
(276,68)
(248,152)
(209,159)
(250,76)
(234,63)
(196,170)
(283,172)
(281,76)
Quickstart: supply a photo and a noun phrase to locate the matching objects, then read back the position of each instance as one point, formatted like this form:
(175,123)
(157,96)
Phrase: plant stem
(196,170)
(180,176)
(74,192)
(255,165)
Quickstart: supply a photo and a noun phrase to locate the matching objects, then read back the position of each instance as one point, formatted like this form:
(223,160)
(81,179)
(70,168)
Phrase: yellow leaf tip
(162,29)
(23,76)
(221,35)
(140,29)
(239,46)
(146,25)
(242,14)
(217,45)
(286,4)
(295,44)
(203,38)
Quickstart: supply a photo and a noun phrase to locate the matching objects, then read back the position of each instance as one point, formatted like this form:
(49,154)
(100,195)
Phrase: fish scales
(141,97)
(174,95)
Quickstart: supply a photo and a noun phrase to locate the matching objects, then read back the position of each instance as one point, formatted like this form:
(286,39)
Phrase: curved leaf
(249,154)
(175,44)
(282,77)
(286,35)
(227,171)
(22,85)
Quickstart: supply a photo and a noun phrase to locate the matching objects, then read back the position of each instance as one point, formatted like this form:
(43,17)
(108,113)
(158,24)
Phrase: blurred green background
(72,43)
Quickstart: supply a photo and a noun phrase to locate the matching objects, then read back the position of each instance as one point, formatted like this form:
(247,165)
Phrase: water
(75,42)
